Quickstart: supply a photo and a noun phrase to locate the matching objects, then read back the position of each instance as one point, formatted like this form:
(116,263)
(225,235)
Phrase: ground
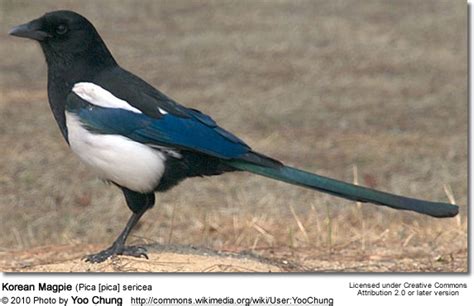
(372,92)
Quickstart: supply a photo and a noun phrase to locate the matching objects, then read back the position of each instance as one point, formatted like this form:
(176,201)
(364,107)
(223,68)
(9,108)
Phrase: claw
(133,251)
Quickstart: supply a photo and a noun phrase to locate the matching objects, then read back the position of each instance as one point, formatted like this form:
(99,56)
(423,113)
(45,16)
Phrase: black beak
(30,30)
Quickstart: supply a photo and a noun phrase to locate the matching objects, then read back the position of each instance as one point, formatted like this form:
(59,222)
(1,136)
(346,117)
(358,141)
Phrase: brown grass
(323,85)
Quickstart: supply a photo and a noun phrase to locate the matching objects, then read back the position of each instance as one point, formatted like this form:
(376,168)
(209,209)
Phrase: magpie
(139,139)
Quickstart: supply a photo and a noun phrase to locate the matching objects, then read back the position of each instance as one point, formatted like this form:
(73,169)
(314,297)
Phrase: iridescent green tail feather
(345,190)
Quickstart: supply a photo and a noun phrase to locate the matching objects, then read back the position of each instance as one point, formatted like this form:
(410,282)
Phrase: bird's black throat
(67,67)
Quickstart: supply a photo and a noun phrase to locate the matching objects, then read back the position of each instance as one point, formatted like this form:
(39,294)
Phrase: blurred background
(373,92)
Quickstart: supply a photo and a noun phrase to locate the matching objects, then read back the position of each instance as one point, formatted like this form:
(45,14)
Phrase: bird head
(65,35)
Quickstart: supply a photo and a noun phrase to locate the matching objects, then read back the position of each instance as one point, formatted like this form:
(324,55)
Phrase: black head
(65,36)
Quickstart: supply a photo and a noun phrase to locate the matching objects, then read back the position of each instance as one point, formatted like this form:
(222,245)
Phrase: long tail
(348,191)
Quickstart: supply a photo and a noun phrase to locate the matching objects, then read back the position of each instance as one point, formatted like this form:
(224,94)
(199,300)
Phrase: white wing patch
(162,111)
(97,95)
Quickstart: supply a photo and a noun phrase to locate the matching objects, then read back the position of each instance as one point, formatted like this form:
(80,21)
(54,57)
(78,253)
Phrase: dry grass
(323,85)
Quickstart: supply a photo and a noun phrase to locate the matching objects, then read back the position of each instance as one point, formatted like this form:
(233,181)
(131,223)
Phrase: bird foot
(134,251)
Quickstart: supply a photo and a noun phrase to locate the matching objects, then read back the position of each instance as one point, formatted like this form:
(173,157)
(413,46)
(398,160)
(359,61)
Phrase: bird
(134,136)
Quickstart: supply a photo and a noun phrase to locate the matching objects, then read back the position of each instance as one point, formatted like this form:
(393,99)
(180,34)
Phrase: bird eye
(61,29)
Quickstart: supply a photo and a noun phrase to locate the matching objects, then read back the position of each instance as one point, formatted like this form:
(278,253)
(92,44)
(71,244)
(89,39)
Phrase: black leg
(138,203)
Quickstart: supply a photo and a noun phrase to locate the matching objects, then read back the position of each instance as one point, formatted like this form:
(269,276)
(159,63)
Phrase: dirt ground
(161,259)
(177,258)
(373,92)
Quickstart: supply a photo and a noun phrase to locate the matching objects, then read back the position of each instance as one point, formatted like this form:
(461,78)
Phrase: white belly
(116,158)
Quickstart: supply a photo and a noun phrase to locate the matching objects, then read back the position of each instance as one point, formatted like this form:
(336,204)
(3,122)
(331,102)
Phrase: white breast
(116,158)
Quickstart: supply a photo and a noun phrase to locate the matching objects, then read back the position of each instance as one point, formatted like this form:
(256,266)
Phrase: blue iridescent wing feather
(197,133)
